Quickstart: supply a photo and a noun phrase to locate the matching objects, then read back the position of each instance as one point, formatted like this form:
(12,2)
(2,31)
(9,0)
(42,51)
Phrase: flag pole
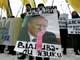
(21,7)
(10,8)
(68,6)
(1,13)
(18,11)
(1,10)
(34,3)
(52,2)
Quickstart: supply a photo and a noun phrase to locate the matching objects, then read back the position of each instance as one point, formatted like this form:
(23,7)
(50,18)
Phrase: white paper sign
(74,26)
(63,21)
(48,50)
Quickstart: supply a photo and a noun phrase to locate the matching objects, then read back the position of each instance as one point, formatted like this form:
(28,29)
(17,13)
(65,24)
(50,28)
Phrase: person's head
(23,15)
(75,14)
(36,24)
(40,6)
(28,7)
(3,17)
(55,7)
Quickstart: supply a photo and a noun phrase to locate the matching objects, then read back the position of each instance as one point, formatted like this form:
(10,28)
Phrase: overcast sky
(16,6)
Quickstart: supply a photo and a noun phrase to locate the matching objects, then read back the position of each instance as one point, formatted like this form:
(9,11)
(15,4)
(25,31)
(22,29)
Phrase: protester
(40,8)
(76,37)
(55,7)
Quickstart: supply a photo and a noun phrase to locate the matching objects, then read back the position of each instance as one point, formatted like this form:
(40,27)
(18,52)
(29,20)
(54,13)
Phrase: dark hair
(76,15)
(3,17)
(31,18)
(28,5)
(52,7)
(55,7)
(23,15)
(12,16)
(41,5)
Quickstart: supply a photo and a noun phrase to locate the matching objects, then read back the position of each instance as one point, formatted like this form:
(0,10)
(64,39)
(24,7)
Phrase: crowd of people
(63,32)
(40,9)
(74,38)
(36,23)
(35,14)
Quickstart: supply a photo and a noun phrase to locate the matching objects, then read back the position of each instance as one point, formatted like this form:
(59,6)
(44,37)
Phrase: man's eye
(44,26)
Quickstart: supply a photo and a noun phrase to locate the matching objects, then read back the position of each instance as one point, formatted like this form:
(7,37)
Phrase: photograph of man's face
(46,24)
(37,24)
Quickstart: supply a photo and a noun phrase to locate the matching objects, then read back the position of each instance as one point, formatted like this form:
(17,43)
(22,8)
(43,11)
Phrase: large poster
(47,24)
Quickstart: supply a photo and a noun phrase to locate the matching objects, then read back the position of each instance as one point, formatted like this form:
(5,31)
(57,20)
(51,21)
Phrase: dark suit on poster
(48,37)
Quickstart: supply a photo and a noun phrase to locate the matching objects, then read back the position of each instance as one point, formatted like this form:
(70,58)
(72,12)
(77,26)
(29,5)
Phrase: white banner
(74,26)
(48,50)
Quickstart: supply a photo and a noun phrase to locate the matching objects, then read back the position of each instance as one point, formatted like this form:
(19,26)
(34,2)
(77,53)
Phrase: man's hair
(31,18)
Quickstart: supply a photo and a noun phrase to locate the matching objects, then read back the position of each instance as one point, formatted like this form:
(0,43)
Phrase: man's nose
(41,28)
